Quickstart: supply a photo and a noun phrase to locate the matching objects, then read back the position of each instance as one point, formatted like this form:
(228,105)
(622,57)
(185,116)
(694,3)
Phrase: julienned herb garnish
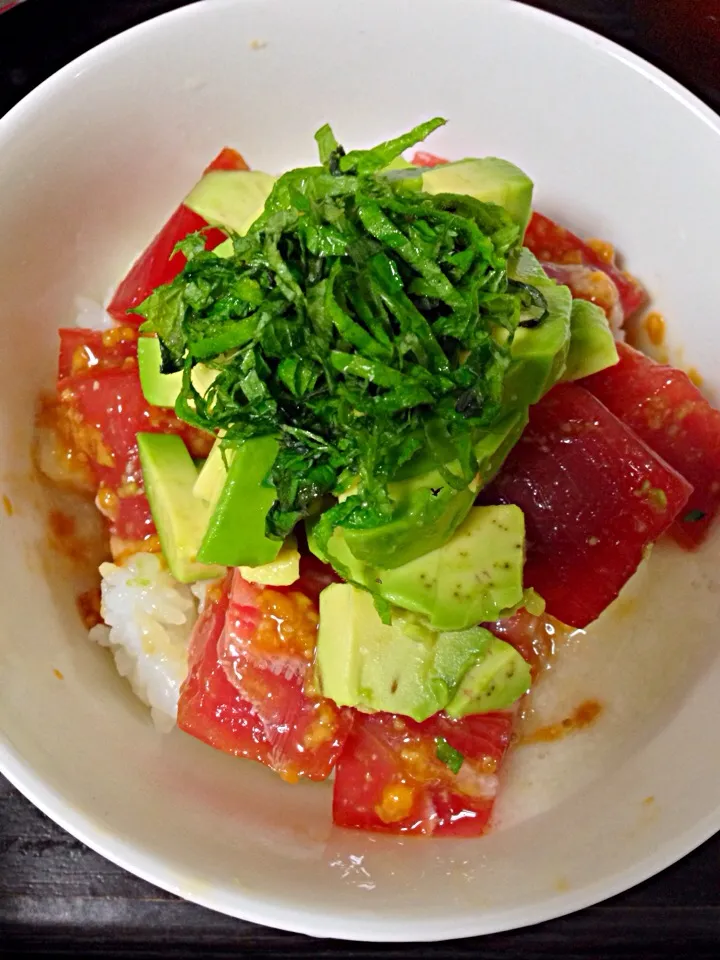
(358,321)
(693,516)
(448,755)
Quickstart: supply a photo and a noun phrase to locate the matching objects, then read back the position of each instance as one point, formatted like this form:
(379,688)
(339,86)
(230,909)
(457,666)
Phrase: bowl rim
(244,905)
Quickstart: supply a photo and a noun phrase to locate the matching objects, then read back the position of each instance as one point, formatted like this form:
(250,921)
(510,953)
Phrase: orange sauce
(322,729)
(56,417)
(654,324)
(604,250)
(122,550)
(569,257)
(600,289)
(396,803)
(82,360)
(582,716)
(7,505)
(115,335)
(536,638)
(63,538)
(288,625)
(83,440)
(61,525)
(88,604)
(107,501)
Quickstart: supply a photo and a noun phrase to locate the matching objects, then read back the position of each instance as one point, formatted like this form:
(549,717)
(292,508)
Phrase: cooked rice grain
(149,618)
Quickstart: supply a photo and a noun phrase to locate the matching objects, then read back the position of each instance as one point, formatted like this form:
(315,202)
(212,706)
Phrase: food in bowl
(369,440)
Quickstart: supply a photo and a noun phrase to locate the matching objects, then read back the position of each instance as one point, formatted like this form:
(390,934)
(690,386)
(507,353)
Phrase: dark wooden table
(59,898)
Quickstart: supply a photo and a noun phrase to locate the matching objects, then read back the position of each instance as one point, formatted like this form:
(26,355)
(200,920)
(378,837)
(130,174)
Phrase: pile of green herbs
(360,321)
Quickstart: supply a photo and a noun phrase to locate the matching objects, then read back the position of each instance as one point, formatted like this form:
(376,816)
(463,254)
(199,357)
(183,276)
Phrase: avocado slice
(403,667)
(424,517)
(592,344)
(474,577)
(231,198)
(400,668)
(489,179)
(403,175)
(239,504)
(471,578)
(283,571)
(169,475)
(493,446)
(496,682)
(163,389)
(427,509)
(538,354)
(213,474)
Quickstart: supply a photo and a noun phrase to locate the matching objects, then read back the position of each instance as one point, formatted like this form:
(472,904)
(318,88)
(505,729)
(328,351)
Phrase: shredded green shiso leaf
(448,755)
(357,321)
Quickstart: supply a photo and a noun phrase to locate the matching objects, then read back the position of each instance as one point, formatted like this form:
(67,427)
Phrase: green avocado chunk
(539,354)
(470,579)
(428,509)
(231,198)
(592,344)
(169,474)
(400,668)
(473,577)
(163,389)
(283,571)
(496,682)
(489,179)
(214,472)
(403,667)
(424,518)
(492,447)
(403,174)
(239,505)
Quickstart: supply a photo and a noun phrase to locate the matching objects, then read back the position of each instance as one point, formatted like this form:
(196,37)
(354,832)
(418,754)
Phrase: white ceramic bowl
(90,164)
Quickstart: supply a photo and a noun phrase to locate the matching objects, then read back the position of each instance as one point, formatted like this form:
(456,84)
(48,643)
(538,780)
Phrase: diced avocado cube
(489,179)
(403,175)
(224,249)
(592,344)
(495,683)
(471,578)
(160,389)
(422,520)
(283,571)
(492,447)
(231,198)
(213,474)
(402,667)
(235,534)
(428,510)
(163,389)
(338,554)
(169,475)
(538,354)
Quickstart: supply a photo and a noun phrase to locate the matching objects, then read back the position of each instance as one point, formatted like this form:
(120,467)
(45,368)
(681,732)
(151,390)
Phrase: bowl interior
(90,165)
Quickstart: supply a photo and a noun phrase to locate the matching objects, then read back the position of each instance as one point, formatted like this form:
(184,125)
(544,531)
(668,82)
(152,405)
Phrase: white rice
(149,618)
(92,315)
